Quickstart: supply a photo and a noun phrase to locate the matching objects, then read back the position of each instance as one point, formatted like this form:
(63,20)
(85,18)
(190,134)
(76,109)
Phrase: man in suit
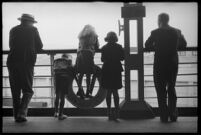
(165,41)
(24,43)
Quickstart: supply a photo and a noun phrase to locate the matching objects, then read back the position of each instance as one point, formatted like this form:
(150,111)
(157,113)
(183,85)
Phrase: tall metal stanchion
(134,108)
(52,79)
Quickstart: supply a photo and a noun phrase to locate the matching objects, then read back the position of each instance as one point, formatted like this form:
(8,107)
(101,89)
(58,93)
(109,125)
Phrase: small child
(64,75)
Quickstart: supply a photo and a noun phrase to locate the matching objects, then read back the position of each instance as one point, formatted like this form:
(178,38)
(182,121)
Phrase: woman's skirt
(85,62)
(111,80)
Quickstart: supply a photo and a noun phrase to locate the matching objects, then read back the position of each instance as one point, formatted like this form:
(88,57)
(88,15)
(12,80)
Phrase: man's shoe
(62,117)
(164,119)
(20,119)
(116,114)
(109,114)
(173,118)
(110,118)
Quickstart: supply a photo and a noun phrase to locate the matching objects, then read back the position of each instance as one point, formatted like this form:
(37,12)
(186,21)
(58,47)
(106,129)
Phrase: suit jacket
(24,43)
(165,42)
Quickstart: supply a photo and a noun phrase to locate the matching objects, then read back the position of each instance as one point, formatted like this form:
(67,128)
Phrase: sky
(59,23)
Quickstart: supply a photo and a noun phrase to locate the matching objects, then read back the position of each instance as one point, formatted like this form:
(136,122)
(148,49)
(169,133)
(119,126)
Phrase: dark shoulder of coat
(24,43)
(165,40)
(112,52)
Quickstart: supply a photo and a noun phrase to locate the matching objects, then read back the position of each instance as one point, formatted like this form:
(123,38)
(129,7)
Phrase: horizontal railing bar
(179,63)
(188,63)
(43,65)
(35,87)
(148,64)
(32,97)
(177,97)
(49,86)
(42,86)
(121,97)
(34,76)
(75,50)
(179,86)
(44,76)
(179,74)
(122,75)
(181,49)
(51,51)
(10,97)
(98,86)
(35,65)
(182,63)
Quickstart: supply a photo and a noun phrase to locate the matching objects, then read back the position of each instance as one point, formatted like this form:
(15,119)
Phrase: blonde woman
(88,43)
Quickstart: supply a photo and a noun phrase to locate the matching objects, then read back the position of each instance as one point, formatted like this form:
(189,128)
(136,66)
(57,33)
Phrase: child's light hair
(68,57)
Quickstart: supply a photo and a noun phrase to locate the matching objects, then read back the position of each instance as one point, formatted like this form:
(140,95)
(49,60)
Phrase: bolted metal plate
(133,11)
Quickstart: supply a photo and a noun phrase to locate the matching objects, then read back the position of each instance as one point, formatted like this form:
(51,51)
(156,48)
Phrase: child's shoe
(56,114)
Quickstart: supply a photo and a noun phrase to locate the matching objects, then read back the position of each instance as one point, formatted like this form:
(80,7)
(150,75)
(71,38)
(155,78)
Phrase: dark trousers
(164,80)
(21,81)
(63,83)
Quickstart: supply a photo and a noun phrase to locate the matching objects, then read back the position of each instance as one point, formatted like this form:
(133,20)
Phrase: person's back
(165,45)
(88,43)
(165,41)
(24,44)
(112,54)
(111,78)
(64,74)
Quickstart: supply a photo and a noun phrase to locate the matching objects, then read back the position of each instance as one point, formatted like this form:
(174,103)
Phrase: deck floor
(98,124)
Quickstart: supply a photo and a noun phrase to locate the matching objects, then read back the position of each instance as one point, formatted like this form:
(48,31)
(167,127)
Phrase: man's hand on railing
(148,49)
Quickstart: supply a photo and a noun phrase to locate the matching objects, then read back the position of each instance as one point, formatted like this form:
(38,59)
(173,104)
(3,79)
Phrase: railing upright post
(52,78)
(132,108)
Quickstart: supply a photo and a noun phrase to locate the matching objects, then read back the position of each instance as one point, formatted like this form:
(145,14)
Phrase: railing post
(141,56)
(132,108)
(52,78)
(127,52)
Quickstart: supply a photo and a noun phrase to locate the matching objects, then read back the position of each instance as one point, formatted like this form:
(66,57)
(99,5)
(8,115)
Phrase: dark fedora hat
(111,37)
(27,17)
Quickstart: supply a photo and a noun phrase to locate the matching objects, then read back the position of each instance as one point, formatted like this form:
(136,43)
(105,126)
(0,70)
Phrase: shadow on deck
(98,124)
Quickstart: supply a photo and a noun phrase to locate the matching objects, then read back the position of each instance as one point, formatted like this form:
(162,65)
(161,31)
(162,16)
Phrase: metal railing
(52,54)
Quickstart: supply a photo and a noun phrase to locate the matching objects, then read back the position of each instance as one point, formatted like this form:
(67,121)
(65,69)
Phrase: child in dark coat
(111,55)
(64,75)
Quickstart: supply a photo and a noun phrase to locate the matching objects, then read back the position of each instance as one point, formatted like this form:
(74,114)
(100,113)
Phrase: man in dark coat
(165,41)
(24,43)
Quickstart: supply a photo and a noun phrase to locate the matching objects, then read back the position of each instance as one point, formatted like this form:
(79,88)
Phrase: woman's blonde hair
(88,36)
(87,30)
